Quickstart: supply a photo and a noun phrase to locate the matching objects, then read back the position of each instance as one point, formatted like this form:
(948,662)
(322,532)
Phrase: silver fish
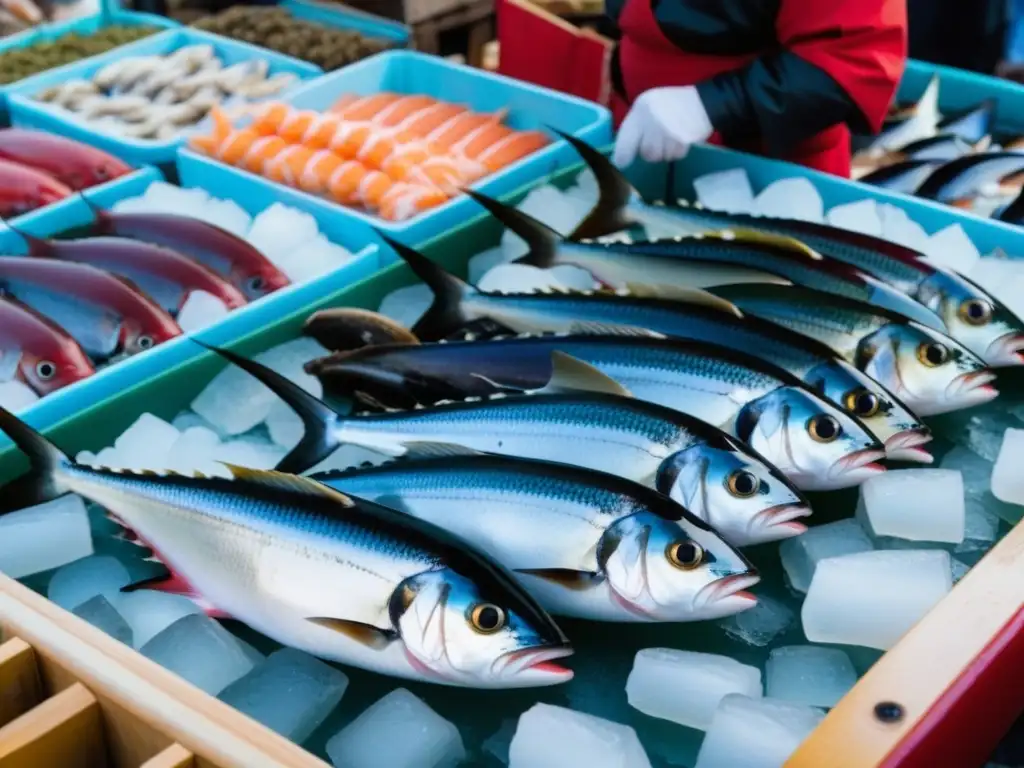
(338,577)
(961,180)
(586,544)
(904,177)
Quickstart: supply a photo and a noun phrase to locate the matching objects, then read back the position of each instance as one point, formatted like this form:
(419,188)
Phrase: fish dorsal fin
(570,374)
(983,144)
(766,238)
(286,482)
(685,295)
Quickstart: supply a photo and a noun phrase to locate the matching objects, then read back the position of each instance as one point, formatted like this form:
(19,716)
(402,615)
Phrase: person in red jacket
(784,78)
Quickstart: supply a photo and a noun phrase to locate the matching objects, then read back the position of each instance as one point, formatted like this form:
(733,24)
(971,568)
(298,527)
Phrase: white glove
(661,125)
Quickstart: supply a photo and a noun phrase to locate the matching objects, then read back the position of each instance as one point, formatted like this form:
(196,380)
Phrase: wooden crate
(475,17)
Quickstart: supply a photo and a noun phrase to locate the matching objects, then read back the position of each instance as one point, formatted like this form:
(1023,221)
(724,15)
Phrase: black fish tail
(39,485)
(542,240)
(318,418)
(610,213)
(445,314)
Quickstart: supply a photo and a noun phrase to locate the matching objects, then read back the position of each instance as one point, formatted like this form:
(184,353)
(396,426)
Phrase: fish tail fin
(319,440)
(542,240)
(445,313)
(609,213)
(39,485)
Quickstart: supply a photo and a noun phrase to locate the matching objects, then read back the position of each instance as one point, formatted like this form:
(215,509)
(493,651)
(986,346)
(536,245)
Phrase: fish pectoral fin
(570,374)
(593,328)
(767,238)
(284,481)
(564,577)
(394,502)
(685,295)
(430,448)
(367,634)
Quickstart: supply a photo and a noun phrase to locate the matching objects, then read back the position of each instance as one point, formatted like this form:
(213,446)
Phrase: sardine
(246,268)
(971,125)
(37,351)
(959,181)
(23,189)
(76,165)
(336,576)
(904,177)
(927,370)
(945,300)
(693,315)
(585,544)
(587,419)
(944,147)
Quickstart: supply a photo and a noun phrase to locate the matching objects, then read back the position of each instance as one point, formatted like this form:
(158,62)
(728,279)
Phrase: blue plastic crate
(341,16)
(529,107)
(135,371)
(960,90)
(27,112)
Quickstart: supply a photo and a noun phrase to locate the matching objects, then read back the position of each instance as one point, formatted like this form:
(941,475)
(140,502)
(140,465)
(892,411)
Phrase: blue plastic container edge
(344,17)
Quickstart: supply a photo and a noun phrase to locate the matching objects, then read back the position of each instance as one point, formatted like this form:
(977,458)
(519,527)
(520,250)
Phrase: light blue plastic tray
(334,15)
(960,90)
(242,322)
(529,107)
(27,112)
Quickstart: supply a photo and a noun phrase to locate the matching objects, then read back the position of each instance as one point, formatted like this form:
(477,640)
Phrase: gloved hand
(661,125)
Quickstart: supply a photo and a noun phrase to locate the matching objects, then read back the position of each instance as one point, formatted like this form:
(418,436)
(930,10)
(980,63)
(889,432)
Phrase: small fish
(78,166)
(904,177)
(246,268)
(335,576)
(164,274)
(971,125)
(348,328)
(945,300)
(943,147)
(585,544)
(930,372)
(69,94)
(696,315)
(121,75)
(37,351)
(959,181)
(269,87)
(23,189)
(918,121)
(580,417)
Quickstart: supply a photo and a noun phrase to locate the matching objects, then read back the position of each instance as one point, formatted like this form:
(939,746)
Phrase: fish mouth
(1006,351)
(779,521)
(535,664)
(972,388)
(857,466)
(730,587)
(906,446)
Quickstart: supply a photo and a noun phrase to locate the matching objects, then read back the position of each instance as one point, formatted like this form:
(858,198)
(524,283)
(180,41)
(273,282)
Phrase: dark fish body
(74,164)
(903,177)
(965,177)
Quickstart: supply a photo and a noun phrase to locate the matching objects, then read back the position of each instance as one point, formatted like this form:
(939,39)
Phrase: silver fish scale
(813,320)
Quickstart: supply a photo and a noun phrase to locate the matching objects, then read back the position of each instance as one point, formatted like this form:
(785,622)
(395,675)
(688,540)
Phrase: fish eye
(145,342)
(685,555)
(256,283)
(487,618)
(862,403)
(975,311)
(932,354)
(46,370)
(743,484)
(823,428)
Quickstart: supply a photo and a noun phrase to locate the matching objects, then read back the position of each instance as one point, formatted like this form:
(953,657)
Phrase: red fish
(107,315)
(224,252)
(76,165)
(23,189)
(166,275)
(37,351)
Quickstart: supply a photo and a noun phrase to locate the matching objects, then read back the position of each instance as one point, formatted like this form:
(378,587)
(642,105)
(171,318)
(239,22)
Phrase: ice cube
(555,737)
(162,197)
(83,579)
(728,191)
(194,450)
(407,305)
(915,504)
(101,614)
(398,731)
(149,613)
(146,443)
(684,686)
(499,743)
(807,674)
(235,402)
(953,249)
(761,624)
(861,216)
(45,536)
(998,274)
(132,205)
(201,651)
(1007,484)
(981,523)
(574,278)
(285,426)
(873,598)
(795,198)
(280,231)
(200,310)
(291,693)
(898,227)
(255,454)
(585,188)
(16,396)
(314,259)
(550,206)
(187,419)
(485,261)
(87,458)
(228,215)
(983,434)
(801,554)
(109,458)
(518,278)
(755,733)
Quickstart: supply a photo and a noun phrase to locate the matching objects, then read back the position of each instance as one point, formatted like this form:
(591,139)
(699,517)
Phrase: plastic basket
(337,15)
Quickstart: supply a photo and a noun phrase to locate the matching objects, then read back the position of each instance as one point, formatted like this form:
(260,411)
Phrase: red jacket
(786,78)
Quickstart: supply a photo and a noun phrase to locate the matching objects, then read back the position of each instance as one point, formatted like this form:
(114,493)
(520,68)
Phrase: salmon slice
(513,147)
(343,183)
(457,128)
(403,201)
(341,104)
(270,116)
(294,127)
(366,107)
(397,111)
(286,166)
(349,139)
(429,119)
(263,149)
(318,171)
